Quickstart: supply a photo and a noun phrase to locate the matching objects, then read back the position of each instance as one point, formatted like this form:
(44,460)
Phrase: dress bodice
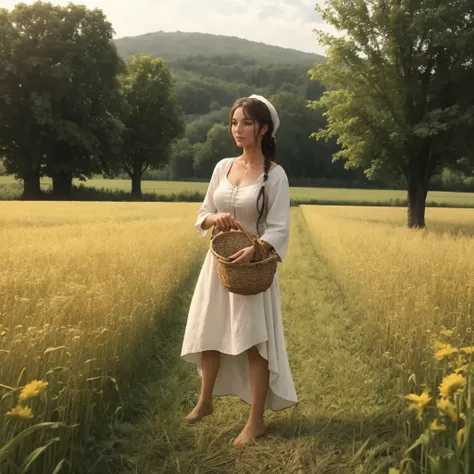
(240,201)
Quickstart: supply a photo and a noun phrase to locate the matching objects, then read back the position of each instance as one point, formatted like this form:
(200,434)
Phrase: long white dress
(231,323)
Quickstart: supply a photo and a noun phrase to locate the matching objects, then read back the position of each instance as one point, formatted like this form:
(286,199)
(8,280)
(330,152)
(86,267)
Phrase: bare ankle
(205,403)
(256,420)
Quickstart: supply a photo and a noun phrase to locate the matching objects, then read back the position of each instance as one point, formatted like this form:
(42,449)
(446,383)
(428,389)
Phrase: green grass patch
(184,191)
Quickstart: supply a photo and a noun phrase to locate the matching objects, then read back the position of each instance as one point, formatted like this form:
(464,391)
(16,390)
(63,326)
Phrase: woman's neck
(252,156)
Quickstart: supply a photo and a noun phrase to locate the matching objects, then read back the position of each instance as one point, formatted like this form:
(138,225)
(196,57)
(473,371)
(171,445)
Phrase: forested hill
(210,72)
(179,45)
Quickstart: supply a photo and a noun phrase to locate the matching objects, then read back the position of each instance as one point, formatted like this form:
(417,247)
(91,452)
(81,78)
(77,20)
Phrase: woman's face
(244,130)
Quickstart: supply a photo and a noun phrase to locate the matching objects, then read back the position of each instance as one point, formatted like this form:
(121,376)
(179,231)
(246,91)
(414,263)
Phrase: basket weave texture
(242,278)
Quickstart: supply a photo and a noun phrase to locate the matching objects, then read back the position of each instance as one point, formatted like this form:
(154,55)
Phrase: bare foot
(251,432)
(200,411)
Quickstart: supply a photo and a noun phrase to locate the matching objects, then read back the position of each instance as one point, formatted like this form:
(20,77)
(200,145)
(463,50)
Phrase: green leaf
(52,349)
(59,466)
(423,439)
(18,382)
(357,455)
(35,454)
(57,369)
(12,444)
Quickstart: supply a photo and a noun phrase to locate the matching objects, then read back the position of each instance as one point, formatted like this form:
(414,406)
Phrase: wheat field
(414,294)
(82,288)
(411,283)
(93,305)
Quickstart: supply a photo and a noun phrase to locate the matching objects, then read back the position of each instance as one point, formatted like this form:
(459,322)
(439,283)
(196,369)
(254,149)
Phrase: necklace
(247,167)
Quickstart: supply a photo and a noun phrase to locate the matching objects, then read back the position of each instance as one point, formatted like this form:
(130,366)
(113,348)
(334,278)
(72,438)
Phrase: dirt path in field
(341,425)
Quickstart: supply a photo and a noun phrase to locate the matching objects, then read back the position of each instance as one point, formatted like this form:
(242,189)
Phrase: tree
(400,96)
(181,164)
(58,89)
(218,145)
(152,118)
(301,156)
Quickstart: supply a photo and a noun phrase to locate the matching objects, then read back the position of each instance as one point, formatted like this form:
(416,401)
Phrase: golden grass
(82,286)
(408,287)
(407,284)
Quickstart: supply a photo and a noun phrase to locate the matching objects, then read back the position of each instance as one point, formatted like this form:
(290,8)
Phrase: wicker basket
(242,278)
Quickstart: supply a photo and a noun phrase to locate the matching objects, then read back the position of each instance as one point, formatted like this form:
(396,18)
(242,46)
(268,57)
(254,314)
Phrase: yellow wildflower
(451,384)
(392,470)
(463,368)
(20,412)
(468,350)
(461,362)
(436,426)
(33,389)
(446,333)
(446,351)
(437,346)
(419,403)
(447,408)
(460,437)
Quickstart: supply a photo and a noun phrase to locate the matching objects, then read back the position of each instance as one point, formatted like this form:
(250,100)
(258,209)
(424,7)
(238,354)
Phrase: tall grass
(82,288)
(407,286)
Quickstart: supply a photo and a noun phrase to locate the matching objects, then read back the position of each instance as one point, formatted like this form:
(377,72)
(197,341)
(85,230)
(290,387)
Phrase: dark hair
(256,110)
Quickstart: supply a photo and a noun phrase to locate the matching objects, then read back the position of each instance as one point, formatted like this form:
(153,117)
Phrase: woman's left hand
(245,255)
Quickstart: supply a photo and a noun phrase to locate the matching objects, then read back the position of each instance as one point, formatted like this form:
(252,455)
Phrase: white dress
(231,323)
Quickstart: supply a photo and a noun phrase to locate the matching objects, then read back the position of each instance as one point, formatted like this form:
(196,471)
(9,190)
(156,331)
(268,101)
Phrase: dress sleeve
(208,207)
(277,232)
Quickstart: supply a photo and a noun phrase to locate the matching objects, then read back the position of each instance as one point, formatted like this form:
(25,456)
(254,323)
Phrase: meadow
(194,191)
(95,297)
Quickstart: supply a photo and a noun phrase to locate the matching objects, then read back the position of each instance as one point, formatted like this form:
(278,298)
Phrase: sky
(286,23)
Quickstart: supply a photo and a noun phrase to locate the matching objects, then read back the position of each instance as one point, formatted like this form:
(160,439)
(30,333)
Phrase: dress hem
(275,373)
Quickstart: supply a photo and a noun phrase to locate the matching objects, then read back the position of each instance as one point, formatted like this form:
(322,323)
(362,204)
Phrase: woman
(237,341)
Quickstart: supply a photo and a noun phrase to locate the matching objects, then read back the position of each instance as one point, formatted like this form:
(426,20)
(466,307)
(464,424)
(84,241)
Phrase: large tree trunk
(31,185)
(417,192)
(137,182)
(62,185)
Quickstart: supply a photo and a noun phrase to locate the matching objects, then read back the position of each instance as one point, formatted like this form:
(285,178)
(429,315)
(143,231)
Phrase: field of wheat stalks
(413,293)
(82,286)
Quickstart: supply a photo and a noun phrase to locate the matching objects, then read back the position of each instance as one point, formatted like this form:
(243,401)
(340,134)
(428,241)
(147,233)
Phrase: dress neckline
(245,185)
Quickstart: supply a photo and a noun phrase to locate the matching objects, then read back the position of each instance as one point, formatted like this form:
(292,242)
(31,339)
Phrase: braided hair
(258,111)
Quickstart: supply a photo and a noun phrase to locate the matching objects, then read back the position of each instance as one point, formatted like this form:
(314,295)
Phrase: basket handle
(252,239)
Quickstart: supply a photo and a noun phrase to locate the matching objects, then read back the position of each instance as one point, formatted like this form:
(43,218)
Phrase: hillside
(179,45)
(210,72)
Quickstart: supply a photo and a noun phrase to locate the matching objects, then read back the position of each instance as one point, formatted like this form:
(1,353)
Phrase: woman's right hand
(225,222)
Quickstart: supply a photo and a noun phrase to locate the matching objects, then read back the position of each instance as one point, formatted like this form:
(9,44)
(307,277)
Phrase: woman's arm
(208,207)
(209,221)
(277,230)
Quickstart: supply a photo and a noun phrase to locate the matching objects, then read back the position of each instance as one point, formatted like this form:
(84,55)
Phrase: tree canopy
(165,115)
(151,116)
(58,84)
(399,94)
